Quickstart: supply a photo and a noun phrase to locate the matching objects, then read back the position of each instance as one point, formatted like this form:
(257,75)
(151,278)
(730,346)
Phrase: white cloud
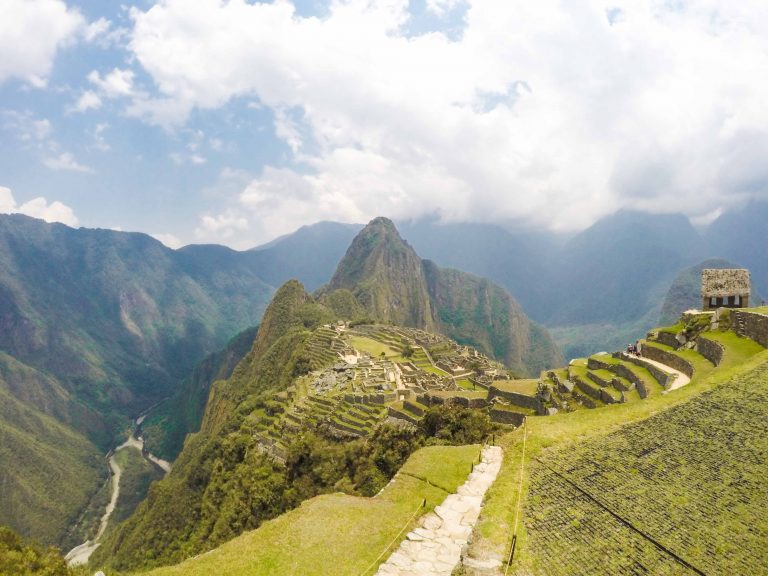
(169,240)
(222,227)
(66,161)
(37,208)
(99,141)
(88,100)
(117,83)
(31,33)
(440,7)
(556,112)
(7,201)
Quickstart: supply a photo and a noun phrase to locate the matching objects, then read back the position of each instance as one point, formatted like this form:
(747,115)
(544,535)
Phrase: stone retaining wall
(668,339)
(670,359)
(595,364)
(598,380)
(378,399)
(515,398)
(596,393)
(662,377)
(751,325)
(392,413)
(711,350)
(624,372)
(506,417)
(414,408)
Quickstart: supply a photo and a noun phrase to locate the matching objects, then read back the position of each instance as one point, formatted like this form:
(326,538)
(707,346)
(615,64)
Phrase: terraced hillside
(682,492)
(670,484)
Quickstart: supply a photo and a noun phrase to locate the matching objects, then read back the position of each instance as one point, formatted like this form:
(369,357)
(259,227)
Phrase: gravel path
(434,548)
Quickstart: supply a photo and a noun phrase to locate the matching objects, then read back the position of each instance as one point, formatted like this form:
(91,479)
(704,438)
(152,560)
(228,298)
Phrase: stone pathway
(434,548)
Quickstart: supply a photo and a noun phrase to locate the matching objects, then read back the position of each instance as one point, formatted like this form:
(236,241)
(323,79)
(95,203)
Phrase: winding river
(80,554)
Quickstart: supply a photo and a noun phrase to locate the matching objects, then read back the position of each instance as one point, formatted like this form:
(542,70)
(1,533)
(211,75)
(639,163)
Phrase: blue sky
(234,122)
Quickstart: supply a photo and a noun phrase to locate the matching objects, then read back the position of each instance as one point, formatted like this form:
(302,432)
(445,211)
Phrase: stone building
(726,288)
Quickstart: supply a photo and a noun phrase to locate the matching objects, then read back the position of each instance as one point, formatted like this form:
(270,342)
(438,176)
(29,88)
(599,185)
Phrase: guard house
(726,288)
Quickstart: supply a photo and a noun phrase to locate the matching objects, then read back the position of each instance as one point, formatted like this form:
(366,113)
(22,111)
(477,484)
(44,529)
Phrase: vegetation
(602,434)
(97,325)
(22,558)
(337,533)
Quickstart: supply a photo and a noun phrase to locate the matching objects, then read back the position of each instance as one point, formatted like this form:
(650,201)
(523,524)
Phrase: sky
(234,121)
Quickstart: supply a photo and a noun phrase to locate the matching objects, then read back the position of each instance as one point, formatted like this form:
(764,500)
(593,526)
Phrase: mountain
(168,425)
(392,284)
(96,326)
(742,236)
(517,260)
(310,254)
(218,486)
(386,277)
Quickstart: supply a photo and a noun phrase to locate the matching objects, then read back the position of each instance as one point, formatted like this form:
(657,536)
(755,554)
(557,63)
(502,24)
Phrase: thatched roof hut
(729,288)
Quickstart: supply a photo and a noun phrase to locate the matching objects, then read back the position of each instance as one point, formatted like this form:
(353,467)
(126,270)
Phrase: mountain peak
(385,275)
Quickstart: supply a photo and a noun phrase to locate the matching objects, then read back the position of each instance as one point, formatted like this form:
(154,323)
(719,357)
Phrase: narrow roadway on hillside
(434,548)
(81,554)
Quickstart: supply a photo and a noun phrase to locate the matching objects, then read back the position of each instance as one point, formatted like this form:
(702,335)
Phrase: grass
(375,348)
(527,386)
(479,393)
(568,431)
(465,384)
(335,533)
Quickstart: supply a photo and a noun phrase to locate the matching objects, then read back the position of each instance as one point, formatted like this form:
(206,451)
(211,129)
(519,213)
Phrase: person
(637,348)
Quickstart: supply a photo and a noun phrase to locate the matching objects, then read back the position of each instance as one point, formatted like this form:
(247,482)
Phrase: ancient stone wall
(624,372)
(711,350)
(506,417)
(414,408)
(517,399)
(751,325)
(663,378)
(668,339)
(670,359)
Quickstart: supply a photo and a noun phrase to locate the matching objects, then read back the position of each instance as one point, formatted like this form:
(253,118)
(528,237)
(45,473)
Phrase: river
(81,554)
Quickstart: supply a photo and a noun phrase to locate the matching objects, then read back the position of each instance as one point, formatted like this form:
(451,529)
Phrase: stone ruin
(726,288)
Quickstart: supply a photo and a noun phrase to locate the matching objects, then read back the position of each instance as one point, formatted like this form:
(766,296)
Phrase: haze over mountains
(98,325)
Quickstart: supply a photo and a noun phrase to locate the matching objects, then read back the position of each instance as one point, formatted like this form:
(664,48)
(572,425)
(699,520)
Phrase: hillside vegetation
(96,326)
(677,472)
(336,533)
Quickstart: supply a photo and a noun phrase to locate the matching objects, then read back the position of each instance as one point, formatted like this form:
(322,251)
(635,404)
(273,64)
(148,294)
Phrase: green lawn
(527,386)
(375,348)
(335,533)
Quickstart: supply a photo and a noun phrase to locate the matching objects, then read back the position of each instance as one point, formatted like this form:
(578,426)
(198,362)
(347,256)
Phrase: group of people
(634,349)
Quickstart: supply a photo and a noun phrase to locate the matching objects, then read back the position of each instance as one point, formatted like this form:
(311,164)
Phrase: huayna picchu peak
(393,285)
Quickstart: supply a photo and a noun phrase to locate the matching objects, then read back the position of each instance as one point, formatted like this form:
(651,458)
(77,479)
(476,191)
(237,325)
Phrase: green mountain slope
(194,507)
(95,326)
(392,284)
(384,274)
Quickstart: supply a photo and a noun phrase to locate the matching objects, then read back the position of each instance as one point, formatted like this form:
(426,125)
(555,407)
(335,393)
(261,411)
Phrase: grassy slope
(42,457)
(494,530)
(337,534)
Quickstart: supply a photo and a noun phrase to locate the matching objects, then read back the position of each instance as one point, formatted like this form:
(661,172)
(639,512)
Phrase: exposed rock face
(392,284)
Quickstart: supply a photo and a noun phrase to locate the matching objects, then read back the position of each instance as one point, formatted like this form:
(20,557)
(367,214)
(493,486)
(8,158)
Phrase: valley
(340,390)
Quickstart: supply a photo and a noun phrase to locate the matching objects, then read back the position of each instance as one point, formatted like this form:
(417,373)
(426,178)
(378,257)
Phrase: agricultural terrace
(670,485)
